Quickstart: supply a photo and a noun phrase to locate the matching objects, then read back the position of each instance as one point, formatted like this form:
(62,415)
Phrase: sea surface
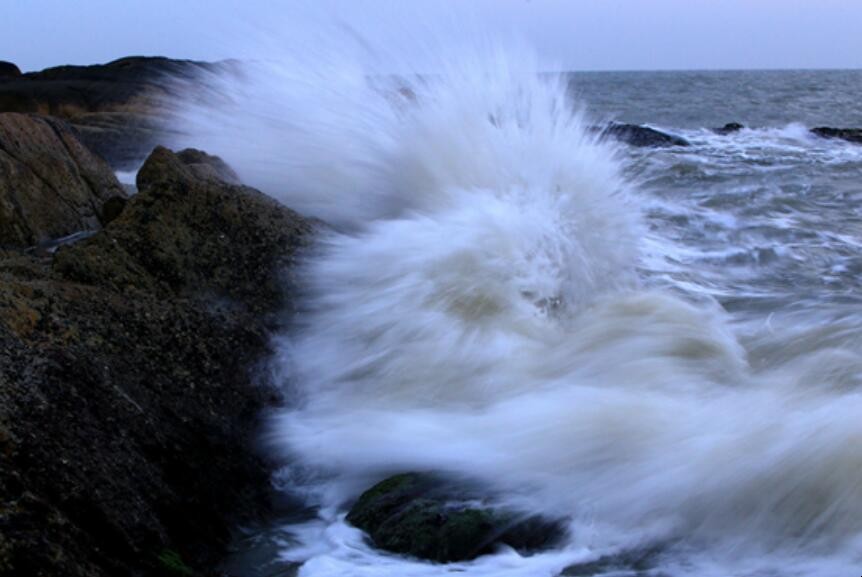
(663,346)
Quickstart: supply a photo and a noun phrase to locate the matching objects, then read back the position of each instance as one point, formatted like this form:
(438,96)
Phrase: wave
(477,308)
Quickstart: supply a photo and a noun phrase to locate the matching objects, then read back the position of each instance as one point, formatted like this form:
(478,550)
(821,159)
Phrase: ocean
(662,346)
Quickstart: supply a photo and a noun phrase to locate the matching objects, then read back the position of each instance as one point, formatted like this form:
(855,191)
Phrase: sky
(574,34)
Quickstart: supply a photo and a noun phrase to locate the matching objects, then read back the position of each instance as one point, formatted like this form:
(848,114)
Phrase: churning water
(663,346)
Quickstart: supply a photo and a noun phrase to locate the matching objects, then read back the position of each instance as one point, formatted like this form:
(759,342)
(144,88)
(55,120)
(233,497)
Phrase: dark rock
(729,128)
(636,562)
(128,389)
(8,70)
(207,166)
(50,184)
(848,134)
(112,208)
(433,518)
(639,135)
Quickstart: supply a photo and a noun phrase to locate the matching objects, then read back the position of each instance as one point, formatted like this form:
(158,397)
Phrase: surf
(477,304)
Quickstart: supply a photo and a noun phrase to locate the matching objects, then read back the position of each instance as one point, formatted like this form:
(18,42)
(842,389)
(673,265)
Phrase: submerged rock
(50,184)
(640,136)
(729,128)
(128,389)
(637,562)
(433,518)
(849,134)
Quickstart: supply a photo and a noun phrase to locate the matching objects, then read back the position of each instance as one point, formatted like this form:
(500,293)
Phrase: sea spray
(477,308)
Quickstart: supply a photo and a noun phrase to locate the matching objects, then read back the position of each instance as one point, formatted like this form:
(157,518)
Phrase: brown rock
(128,388)
(50,184)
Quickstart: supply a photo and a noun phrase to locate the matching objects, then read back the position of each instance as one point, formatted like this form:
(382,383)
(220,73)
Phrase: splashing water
(481,306)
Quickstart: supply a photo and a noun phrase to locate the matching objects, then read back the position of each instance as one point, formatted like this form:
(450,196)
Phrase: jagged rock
(8,70)
(729,128)
(849,134)
(128,393)
(639,135)
(50,184)
(433,518)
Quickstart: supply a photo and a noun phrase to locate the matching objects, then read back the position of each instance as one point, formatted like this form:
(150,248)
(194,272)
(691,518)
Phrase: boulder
(729,128)
(849,134)
(639,136)
(129,386)
(50,184)
(437,519)
(8,70)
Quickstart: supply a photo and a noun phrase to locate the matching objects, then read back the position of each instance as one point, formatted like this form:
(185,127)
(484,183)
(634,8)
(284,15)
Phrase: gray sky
(577,34)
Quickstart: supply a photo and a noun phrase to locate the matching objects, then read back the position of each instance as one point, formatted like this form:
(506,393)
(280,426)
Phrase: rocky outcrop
(8,70)
(849,134)
(640,136)
(128,380)
(50,184)
(116,107)
(433,518)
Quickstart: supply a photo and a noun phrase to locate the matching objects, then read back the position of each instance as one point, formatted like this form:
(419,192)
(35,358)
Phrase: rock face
(50,184)
(128,393)
(116,107)
(431,518)
(640,136)
(848,134)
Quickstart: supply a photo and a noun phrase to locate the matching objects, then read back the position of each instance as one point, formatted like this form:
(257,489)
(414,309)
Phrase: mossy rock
(437,519)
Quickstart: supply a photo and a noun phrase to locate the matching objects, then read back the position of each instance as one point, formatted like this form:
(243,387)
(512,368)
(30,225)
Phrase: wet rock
(128,382)
(430,517)
(637,562)
(849,134)
(729,128)
(640,136)
(50,184)
(8,70)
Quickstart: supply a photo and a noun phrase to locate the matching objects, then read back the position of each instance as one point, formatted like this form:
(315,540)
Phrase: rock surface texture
(128,388)
(50,184)
(433,518)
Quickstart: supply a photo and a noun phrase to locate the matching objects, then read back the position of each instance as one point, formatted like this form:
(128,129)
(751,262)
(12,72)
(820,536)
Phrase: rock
(128,381)
(432,518)
(206,166)
(8,70)
(729,128)
(639,135)
(118,108)
(50,184)
(635,562)
(849,134)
